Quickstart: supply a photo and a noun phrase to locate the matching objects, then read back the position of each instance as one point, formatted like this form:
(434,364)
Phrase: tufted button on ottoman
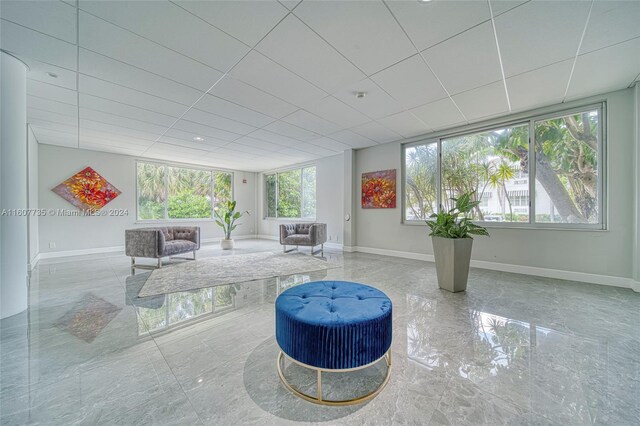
(334,326)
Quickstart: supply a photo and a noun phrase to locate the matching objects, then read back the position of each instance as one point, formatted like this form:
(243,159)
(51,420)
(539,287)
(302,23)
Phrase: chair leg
(159,262)
(194,255)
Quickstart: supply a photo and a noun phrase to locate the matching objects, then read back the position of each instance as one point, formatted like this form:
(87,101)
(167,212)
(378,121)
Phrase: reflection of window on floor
(181,308)
(292,281)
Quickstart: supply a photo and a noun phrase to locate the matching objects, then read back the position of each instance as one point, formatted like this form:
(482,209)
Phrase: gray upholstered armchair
(303,234)
(157,243)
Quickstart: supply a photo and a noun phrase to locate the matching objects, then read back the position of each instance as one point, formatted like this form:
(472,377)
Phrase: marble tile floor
(513,349)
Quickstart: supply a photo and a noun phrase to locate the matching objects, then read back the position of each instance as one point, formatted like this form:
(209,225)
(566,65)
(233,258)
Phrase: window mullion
(439,175)
(277,195)
(166,192)
(532,172)
(213,191)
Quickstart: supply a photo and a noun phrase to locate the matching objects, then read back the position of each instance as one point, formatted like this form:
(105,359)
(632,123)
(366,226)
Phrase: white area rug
(228,270)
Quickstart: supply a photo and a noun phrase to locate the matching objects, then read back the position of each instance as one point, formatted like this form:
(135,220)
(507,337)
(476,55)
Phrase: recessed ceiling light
(52,74)
(198,139)
(361,94)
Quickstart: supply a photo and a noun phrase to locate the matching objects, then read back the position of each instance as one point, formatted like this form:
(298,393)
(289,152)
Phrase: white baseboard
(67,253)
(517,269)
(239,237)
(33,262)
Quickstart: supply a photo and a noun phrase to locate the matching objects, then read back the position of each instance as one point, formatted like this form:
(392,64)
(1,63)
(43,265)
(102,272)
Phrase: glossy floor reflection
(513,349)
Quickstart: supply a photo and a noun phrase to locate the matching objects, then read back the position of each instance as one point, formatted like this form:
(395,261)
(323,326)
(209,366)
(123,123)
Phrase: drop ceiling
(266,84)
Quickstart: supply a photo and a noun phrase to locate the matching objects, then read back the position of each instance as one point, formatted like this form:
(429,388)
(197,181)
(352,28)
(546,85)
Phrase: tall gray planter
(453,256)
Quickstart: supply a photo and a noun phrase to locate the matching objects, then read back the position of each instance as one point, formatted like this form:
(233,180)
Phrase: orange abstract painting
(379,190)
(87,190)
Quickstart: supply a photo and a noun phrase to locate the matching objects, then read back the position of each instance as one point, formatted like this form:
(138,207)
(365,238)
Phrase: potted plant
(451,236)
(226,217)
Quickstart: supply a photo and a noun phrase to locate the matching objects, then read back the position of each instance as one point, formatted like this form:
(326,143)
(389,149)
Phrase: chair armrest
(144,242)
(188,233)
(286,230)
(318,233)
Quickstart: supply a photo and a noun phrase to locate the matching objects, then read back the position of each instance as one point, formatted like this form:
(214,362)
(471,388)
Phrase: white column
(349,229)
(636,236)
(13,185)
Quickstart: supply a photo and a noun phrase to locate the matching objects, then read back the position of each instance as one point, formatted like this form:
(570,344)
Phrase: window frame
(265,201)
(526,119)
(166,189)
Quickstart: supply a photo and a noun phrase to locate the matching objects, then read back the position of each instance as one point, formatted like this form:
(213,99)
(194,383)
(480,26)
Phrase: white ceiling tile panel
(289,130)
(111,91)
(178,151)
(116,130)
(53,137)
(331,109)
(466,61)
(330,144)
(38,71)
(52,106)
(94,146)
(405,123)
(611,22)
(501,6)
(296,47)
(248,143)
(410,82)
(213,120)
(484,101)
(205,131)
(50,91)
(363,31)
(106,138)
(71,130)
(439,114)
(248,21)
(27,43)
(306,120)
(259,71)
(109,40)
(429,23)
(376,132)
(124,122)
(605,70)
(182,138)
(107,69)
(268,136)
(354,140)
(313,150)
(224,108)
(539,33)
(294,155)
(376,103)
(53,117)
(54,18)
(118,108)
(151,19)
(549,82)
(241,93)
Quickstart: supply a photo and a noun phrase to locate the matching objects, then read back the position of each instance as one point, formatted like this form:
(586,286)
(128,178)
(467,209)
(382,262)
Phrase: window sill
(289,219)
(525,226)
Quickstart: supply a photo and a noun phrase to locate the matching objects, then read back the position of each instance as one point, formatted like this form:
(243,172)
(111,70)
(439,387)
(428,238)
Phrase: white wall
(84,233)
(636,244)
(14,256)
(329,200)
(606,253)
(33,220)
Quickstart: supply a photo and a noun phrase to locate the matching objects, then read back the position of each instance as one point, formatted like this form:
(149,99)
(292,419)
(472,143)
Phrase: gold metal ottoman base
(319,399)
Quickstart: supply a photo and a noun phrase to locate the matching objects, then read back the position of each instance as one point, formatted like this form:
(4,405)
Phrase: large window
(291,194)
(542,170)
(172,192)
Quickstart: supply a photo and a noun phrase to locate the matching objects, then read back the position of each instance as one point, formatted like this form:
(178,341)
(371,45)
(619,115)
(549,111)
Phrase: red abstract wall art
(379,190)
(87,190)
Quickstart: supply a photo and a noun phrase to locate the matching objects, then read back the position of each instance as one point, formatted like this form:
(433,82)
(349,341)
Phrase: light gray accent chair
(156,243)
(303,234)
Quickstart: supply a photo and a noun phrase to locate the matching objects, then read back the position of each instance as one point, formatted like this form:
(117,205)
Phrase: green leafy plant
(455,223)
(226,217)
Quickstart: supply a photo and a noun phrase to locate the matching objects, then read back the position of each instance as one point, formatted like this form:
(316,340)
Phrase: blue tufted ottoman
(335,326)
